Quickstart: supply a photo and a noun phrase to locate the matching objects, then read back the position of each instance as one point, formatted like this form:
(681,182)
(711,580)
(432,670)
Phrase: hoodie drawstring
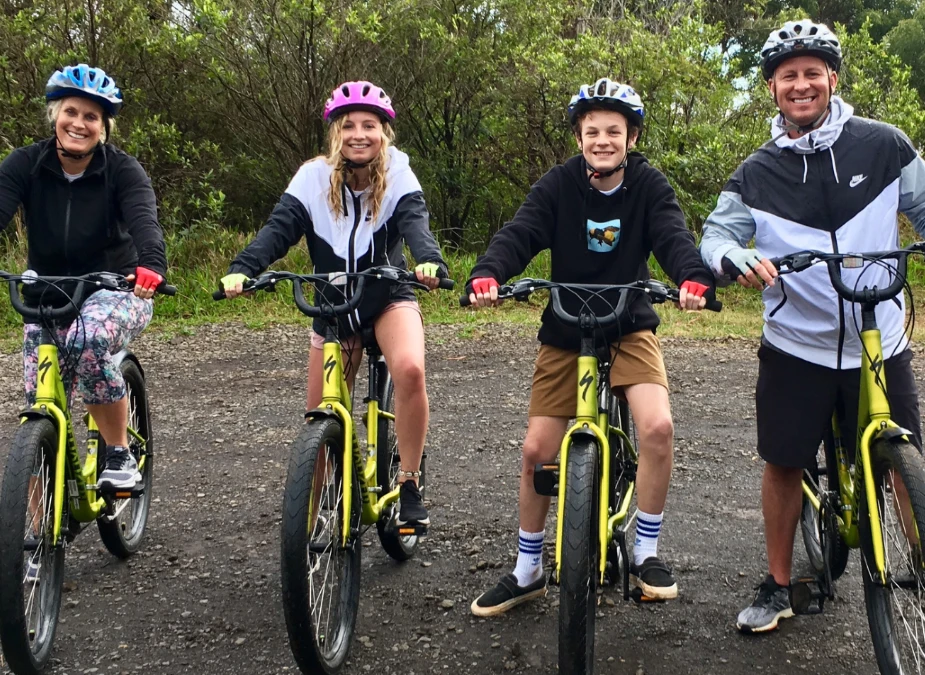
(834,170)
(805,169)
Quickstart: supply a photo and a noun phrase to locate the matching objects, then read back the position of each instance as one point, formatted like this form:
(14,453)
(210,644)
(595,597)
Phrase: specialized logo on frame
(603,237)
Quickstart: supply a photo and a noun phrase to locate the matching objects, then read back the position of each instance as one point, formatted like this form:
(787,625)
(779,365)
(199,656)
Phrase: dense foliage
(224,96)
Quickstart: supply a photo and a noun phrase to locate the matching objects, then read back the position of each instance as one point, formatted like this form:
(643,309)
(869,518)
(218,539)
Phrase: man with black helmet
(830,181)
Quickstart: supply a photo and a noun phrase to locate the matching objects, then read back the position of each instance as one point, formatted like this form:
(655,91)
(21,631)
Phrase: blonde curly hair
(377,167)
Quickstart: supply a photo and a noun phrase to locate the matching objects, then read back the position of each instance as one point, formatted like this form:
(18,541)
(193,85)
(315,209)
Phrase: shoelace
(116,458)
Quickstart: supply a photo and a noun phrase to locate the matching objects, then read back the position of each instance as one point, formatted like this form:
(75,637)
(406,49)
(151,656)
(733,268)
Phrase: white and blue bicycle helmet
(610,95)
(91,83)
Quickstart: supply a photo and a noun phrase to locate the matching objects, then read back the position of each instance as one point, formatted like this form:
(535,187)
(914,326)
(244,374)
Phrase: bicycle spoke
(903,561)
(38,523)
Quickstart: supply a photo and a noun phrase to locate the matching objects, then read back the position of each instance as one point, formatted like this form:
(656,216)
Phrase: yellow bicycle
(335,489)
(875,499)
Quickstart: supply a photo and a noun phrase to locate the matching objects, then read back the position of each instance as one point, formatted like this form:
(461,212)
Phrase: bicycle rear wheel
(320,576)
(895,609)
(821,538)
(388,464)
(123,530)
(578,576)
(31,564)
(622,474)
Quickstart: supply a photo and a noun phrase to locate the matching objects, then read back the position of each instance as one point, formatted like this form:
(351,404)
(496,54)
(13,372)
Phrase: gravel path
(204,594)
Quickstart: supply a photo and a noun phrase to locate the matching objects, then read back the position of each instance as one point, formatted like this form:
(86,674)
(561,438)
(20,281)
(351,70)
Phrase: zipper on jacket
(841,313)
(351,249)
(67,227)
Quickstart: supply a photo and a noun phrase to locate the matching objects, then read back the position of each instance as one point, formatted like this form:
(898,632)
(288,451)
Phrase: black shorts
(794,401)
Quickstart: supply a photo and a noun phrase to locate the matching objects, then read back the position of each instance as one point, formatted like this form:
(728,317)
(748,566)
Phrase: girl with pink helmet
(357,206)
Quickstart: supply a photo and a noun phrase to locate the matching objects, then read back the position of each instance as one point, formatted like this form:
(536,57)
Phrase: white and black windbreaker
(836,189)
(348,240)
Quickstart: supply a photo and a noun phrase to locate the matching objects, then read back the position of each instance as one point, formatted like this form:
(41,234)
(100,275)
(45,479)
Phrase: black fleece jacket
(105,221)
(597,239)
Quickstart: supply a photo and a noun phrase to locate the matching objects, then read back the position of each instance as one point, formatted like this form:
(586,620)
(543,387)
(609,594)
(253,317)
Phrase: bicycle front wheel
(578,575)
(123,529)
(895,609)
(320,576)
(821,538)
(388,464)
(31,564)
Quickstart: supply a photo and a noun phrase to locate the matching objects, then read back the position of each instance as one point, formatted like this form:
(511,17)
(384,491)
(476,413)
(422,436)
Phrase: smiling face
(362,136)
(802,87)
(79,124)
(604,139)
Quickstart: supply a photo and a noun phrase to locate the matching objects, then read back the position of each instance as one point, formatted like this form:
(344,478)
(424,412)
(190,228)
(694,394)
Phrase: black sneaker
(121,470)
(507,594)
(654,579)
(411,505)
(771,604)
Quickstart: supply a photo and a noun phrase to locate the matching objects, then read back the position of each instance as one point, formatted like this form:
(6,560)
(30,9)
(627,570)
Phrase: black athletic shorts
(794,401)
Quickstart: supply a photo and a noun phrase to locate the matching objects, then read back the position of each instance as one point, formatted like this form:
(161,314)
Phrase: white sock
(648,527)
(529,558)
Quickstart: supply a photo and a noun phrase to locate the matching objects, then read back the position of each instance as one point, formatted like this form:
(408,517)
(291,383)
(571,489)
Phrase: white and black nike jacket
(836,189)
(347,241)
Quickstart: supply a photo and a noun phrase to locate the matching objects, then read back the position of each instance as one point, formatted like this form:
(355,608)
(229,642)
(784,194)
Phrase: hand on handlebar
(146,282)
(484,292)
(233,284)
(692,296)
(749,268)
(427,274)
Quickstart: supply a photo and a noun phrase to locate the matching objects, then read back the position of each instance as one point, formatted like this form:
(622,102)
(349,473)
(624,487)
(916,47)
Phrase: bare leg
(541,445)
(781,503)
(111,418)
(652,417)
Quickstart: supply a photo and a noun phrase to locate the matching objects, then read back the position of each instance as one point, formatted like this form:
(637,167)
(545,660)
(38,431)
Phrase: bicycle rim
(578,576)
(821,538)
(321,577)
(31,565)
(896,609)
(123,530)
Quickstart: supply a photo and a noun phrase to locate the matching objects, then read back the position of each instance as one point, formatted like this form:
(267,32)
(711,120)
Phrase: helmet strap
(74,155)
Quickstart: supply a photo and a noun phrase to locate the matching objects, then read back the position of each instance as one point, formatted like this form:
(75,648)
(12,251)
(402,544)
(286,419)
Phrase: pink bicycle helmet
(351,96)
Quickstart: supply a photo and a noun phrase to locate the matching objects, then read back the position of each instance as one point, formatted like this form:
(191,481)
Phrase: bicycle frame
(335,398)
(873,419)
(592,418)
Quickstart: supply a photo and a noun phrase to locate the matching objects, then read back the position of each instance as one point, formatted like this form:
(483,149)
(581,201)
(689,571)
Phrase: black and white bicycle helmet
(605,93)
(799,38)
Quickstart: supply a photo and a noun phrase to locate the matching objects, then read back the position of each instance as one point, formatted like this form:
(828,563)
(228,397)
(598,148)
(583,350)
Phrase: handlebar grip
(464,301)
(167,289)
(447,284)
(219,294)
(714,305)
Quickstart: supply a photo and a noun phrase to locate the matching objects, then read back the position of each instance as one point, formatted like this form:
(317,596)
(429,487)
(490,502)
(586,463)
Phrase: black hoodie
(597,239)
(105,221)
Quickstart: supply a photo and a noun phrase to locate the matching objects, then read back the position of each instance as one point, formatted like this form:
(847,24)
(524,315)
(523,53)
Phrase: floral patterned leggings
(108,321)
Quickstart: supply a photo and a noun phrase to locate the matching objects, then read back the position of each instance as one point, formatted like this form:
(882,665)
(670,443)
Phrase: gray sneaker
(771,604)
(121,470)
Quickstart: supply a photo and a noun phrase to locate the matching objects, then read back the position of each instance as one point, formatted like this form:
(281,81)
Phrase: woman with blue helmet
(87,207)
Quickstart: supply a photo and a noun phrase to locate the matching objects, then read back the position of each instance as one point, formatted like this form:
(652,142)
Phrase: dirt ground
(204,594)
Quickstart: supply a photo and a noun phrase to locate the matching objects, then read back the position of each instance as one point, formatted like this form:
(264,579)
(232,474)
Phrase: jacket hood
(47,158)
(819,139)
(577,168)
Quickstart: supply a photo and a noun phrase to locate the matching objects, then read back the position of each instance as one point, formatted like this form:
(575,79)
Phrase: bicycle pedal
(807,596)
(640,598)
(411,530)
(121,493)
(546,479)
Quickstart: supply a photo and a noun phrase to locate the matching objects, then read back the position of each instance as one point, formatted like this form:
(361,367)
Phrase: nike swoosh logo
(857,181)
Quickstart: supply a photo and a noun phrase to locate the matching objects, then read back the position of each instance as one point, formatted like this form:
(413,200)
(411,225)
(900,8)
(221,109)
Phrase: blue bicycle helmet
(91,83)
(605,93)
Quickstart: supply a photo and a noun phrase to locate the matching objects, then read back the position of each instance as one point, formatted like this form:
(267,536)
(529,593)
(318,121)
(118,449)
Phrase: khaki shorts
(638,360)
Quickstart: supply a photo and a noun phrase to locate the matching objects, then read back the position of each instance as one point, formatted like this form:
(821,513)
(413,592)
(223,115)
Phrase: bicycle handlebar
(657,291)
(801,260)
(396,275)
(95,280)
